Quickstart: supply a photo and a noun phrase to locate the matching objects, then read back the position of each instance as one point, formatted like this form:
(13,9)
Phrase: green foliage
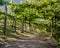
(1,2)
(31,13)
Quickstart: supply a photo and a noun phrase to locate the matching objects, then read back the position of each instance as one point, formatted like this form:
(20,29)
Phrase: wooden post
(5,20)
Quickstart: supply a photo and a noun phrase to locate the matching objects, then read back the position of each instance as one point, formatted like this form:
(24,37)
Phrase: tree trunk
(5,20)
(29,26)
(52,27)
(22,25)
(25,27)
(55,23)
(15,23)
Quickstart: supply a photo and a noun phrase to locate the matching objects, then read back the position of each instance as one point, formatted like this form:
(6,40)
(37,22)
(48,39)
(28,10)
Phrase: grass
(9,33)
(58,46)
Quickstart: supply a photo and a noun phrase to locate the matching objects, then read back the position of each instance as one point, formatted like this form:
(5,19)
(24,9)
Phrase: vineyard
(30,18)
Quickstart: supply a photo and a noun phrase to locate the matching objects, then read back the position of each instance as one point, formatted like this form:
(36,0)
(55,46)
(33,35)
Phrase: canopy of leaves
(34,11)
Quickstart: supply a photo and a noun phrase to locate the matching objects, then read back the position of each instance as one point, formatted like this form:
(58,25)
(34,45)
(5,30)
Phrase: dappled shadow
(29,44)
(11,34)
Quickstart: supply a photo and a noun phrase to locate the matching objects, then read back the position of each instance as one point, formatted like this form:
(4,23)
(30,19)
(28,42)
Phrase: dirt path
(31,43)
(28,44)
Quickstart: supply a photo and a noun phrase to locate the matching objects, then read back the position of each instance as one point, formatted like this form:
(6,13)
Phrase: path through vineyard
(31,41)
(30,24)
